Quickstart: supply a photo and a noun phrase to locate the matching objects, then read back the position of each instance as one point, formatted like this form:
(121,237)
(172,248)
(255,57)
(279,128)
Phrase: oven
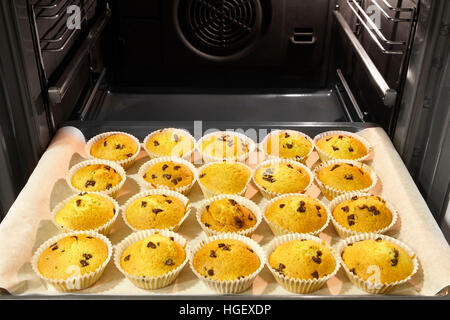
(104,65)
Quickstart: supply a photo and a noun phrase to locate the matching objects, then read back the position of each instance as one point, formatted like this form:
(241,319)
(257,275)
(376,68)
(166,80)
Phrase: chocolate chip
(169,262)
(120,146)
(319,253)
(364,206)
(396,253)
(167,176)
(207,225)
(55,248)
(109,186)
(352,270)
(315,275)
(318,207)
(287,135)
(84,263)
(127,258)
(212,254)
(289,145)
(350,149)
(250,249)
(144,176)
(226,248)
(317,260)
(233,202)
(282,205)
(78,202)
(239,222)
(172,238)
(207,208)
(87,256)
(176,167)
(143,204)
(154,176)
(378,239)
(328,139)
(129,155)
(169,201)
(89,183)
(345,209)
(348,177)
(155,143)
(75,237)
(394,262)
(164,167)
(281,267)
(221,245)
(156,211)
(174,181)
(250,218)
(105,143)
(341,137)
(269,178)
(202,175)
(210,272)
(335,148)
(351,219)
(151,245)
(334,167)
(355,198)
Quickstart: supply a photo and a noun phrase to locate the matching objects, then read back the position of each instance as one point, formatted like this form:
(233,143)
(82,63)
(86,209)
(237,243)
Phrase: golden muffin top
(282,178)
(170,174)
(227,215)
(71,256)
(114,147)
(288,145)
(225,177)
(223,145)
(153,256)
(302,259)
(341,146)
(226,259)
(86,211)
(378,261)
(170,142)
(345,177)
(96,177)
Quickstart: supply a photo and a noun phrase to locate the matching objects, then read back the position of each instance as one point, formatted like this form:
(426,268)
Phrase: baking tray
(141,128)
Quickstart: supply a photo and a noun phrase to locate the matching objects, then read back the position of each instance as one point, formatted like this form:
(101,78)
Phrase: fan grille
(219,28)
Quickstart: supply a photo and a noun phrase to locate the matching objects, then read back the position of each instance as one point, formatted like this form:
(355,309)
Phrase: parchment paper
(27,225)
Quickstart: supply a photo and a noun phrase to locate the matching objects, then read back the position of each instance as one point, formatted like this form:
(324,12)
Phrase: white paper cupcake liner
(329,192)
(262,145)
(269,194)
(77,282)
(182,198)
(242,158)
(113,192)
(105,229)
(151,283)
(209,193)
(298,285)
(371,287)
(278,230)
(253,207)
(126,163)
(344,232)
(153,155)
(145,185)
(229,286)
(326,157)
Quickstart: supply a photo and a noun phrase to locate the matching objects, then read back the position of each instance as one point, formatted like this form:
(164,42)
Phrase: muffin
(169,142)
(361,213)
(72,261)
(156,210)
(377,263)
(342,145)
(281,176)
(296,213)
(119,147)
(288,144)
(226,260)
(94,176)
(86,211)
(168,172)
(224,178)
(343,176)
(227,215)
(152,259)
(225,146)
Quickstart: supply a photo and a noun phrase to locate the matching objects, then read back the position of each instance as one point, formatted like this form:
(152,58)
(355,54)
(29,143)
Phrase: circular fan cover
(219,29)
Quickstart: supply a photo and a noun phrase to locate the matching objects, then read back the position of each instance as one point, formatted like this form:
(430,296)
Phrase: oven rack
(393,15)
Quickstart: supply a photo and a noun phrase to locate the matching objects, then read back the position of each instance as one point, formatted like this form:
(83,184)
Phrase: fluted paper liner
(208,158)
(125,163)
(278,230)
(229,286)
(208,193)
(77,282)
(157,282)
(104,229)
(344,232)
(253,207)
(113,192)
(326,157)
(269,194)
(145,185)
(262,145)
(153,155)
(329,192)
(300,286)
(370,287)
(185,200)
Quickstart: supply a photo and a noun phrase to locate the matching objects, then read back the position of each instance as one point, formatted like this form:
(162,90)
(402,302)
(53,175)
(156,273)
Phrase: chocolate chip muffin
(362,214)
(224,178)
(96,177)
(86,211)
(377,261)
(302,259)
(296,213)
(278,177)
(173,175)
(169,142)
(114,147)
(74,255)
(288,144)
(152,256)
(342,146)
(227,215)
(224,145)
(156,211)
(226,259)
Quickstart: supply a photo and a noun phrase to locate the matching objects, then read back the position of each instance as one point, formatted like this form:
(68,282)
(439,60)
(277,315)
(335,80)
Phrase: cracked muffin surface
(96,177)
